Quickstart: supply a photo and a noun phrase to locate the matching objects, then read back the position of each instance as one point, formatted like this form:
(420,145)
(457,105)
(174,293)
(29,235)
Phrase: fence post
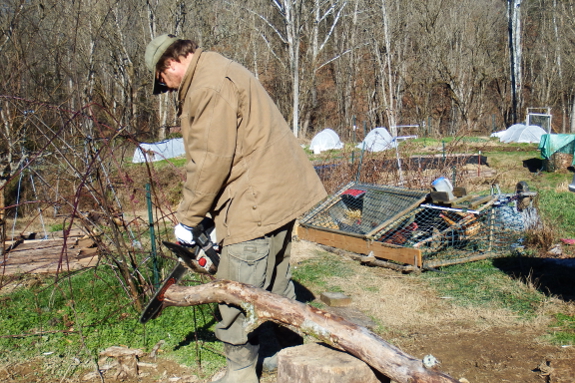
(152,237)
(353,131)
(353,141)
(360,162)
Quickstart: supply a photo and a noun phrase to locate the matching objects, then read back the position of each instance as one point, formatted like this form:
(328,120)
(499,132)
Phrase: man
(244,168)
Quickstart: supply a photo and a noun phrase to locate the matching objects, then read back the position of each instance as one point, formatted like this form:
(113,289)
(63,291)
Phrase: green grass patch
(56,227)
(176,161)
(316,272)
(506,160)
(563,329)
(559,208)
(553,179)
(88,312)
(482,284)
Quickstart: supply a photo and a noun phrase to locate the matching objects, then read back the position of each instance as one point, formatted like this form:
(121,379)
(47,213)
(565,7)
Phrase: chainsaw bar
(185,259)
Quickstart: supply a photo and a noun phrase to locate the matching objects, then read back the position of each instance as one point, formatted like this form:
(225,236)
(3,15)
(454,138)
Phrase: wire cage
(361,209)
(402,225)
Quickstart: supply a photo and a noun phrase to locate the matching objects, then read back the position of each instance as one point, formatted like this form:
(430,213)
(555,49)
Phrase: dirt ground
(494,354)
(480,345)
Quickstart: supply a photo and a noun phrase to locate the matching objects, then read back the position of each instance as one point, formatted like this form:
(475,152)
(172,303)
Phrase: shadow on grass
(302,293)
(552,277)
(533,164)
(201,334)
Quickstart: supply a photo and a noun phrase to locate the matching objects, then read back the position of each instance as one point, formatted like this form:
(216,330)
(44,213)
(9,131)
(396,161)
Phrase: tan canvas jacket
(244,165)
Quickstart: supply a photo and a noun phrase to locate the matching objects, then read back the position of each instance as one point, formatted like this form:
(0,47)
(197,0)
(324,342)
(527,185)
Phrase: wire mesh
(359,209)
(444,235)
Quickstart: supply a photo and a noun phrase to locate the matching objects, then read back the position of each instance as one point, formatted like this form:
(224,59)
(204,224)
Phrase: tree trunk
(260,306)
(2,221)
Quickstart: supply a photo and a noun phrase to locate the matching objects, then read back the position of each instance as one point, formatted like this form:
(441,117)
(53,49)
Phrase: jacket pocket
(247,262)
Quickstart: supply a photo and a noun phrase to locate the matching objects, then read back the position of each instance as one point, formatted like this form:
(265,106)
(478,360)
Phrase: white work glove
(184,235)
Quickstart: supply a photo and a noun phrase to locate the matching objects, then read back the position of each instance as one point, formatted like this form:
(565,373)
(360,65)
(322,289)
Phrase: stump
(314,363)
(127,361)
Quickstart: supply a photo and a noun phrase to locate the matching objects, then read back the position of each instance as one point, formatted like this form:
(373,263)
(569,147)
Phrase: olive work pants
(263,262)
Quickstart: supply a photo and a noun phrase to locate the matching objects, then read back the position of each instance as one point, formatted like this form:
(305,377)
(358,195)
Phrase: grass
(481,284)
(85,313)
(317,272)
(176,161)
(77,317)
(560,207)
(56,227)
(564,329)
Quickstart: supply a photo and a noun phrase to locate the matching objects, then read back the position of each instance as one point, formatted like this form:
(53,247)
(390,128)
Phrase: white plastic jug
(443,184)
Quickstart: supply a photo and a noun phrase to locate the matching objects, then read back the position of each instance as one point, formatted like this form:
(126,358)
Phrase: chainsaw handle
(201,235)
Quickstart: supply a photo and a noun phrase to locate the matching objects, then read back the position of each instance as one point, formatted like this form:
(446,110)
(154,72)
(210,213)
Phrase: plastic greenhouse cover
(521,133)
(158,151)
(378,140)
(327,139)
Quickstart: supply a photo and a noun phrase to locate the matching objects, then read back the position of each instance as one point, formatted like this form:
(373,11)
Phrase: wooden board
(48,267)
(380,250)
(47,256)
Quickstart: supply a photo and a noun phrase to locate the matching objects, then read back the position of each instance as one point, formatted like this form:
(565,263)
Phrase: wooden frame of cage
(361,245)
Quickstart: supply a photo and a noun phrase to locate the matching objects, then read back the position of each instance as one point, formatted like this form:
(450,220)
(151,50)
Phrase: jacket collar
(188,77)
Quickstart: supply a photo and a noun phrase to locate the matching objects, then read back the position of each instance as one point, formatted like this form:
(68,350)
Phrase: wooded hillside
(445,64)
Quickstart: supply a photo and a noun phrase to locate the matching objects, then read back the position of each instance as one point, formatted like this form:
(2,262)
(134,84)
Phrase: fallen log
(261,306)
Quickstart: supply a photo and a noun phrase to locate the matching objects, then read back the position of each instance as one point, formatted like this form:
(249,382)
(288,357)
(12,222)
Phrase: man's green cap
(154,51)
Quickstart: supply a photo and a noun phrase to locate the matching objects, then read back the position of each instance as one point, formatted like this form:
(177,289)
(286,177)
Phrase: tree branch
(261,306)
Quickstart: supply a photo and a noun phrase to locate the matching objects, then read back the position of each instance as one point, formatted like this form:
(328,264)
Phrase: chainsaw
(202,258)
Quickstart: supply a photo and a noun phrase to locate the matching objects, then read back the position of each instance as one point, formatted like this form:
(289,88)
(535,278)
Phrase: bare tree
(321,26)
(515,54)
(13,154)
(566,12)
(288,21)
(349,40)
(458,44)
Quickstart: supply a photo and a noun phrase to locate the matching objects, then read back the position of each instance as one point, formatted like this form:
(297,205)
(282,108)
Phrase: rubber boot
(285,338)
(241,363)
